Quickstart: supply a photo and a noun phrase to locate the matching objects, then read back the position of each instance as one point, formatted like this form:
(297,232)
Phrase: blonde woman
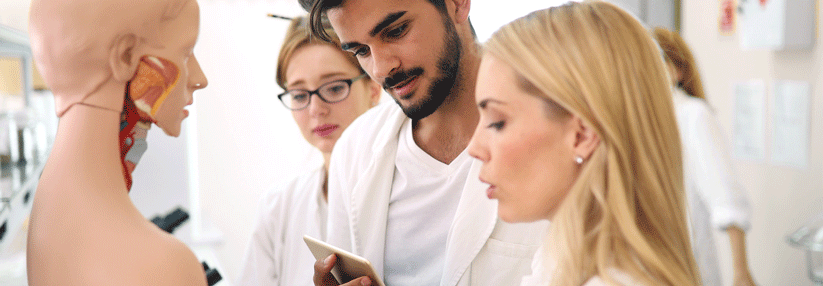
(716,199)
(325,89)
(572,131)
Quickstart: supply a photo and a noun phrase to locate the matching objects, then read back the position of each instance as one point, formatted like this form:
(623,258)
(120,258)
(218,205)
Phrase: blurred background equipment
(27,127)
(809,237)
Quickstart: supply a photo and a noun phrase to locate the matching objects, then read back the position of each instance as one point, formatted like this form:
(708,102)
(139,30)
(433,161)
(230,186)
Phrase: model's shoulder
(172,263)
(137,255)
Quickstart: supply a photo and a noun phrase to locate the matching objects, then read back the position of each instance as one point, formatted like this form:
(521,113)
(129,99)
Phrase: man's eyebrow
(349,45)
(388,20)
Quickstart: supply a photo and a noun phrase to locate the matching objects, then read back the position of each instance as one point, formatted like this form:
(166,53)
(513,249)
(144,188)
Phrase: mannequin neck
(108,95)
(86,153)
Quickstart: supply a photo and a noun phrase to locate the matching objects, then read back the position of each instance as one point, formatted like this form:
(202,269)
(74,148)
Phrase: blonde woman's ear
(586,139)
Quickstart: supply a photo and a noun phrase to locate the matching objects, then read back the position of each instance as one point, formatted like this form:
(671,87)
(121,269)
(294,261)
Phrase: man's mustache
(401,76)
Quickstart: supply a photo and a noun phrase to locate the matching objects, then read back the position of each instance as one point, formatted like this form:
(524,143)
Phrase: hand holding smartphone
(348,267)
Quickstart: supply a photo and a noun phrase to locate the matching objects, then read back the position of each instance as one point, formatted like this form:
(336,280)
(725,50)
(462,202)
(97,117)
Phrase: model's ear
(459,9)
(122,58)
(586,139)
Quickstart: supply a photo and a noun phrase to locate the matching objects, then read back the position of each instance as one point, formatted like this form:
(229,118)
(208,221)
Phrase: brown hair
(297,36)
(678,53)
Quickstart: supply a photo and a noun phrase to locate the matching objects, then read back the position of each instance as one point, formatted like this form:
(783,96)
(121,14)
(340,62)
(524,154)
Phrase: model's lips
(325,129)
(185,113)
(404,89)
(490,192)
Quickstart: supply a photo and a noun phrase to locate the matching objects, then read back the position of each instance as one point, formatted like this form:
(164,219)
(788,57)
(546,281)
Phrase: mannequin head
(85,48)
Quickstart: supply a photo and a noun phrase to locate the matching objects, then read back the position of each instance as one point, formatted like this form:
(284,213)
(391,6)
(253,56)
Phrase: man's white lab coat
(481,249)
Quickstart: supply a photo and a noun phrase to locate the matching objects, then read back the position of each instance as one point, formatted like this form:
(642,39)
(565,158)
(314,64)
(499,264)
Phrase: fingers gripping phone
(348,267)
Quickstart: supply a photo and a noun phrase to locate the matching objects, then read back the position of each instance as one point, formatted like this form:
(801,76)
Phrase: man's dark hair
(317,12)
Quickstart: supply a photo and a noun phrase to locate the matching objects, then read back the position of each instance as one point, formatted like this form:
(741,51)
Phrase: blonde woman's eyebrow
(484,103)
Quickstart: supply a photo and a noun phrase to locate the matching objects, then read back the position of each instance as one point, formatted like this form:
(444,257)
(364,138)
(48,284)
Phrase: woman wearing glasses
(326,90)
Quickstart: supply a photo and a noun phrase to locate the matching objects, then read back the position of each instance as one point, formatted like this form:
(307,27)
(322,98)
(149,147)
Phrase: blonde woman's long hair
(678,53)
(626,210)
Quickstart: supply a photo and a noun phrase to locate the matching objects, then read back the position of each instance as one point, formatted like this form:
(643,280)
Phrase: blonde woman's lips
(490,192)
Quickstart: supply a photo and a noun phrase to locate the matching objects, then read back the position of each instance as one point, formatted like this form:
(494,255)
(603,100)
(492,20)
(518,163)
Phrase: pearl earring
(578,159)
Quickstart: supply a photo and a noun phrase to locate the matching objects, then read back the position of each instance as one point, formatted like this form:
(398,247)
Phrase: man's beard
(448,66)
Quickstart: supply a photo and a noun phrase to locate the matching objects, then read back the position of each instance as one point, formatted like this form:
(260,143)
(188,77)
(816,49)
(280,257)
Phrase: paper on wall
(749,120)
(790,122)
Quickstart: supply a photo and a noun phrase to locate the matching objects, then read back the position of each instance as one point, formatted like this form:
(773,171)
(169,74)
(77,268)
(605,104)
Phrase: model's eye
(299,97)
(336,89)
(497,125)
(361,51)
(398,32)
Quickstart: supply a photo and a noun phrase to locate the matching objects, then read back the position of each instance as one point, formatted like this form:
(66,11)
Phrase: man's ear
(586,139)
(460,9)
(122,58)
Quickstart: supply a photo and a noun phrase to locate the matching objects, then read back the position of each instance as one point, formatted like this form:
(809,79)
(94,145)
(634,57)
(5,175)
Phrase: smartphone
(348,267)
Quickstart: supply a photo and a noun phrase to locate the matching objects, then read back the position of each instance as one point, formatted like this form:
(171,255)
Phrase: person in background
(716,199)
(572,131)
(326,90)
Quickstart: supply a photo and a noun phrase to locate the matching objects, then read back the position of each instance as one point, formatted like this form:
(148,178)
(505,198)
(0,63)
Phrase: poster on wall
(776,24)
(727,21)
(749,120)
(790,122)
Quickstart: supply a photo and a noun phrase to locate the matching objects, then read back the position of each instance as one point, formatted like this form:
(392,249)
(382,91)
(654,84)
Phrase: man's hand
(323,276)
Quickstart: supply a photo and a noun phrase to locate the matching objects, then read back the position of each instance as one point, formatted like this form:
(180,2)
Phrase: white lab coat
(716,199)
(276,254)
(480,250)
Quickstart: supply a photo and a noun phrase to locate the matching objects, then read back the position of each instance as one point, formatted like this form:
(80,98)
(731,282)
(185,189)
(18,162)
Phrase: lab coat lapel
(370,197)
(473,224)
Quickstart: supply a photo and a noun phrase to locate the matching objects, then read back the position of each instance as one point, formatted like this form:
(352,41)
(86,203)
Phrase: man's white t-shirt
(424,197)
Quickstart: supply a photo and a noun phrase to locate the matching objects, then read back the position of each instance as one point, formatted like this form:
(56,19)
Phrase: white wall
(247,140)
(488,16)
(782,197)
(15,14)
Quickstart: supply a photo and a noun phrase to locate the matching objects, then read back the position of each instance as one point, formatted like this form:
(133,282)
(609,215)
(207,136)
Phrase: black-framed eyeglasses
(330,92)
